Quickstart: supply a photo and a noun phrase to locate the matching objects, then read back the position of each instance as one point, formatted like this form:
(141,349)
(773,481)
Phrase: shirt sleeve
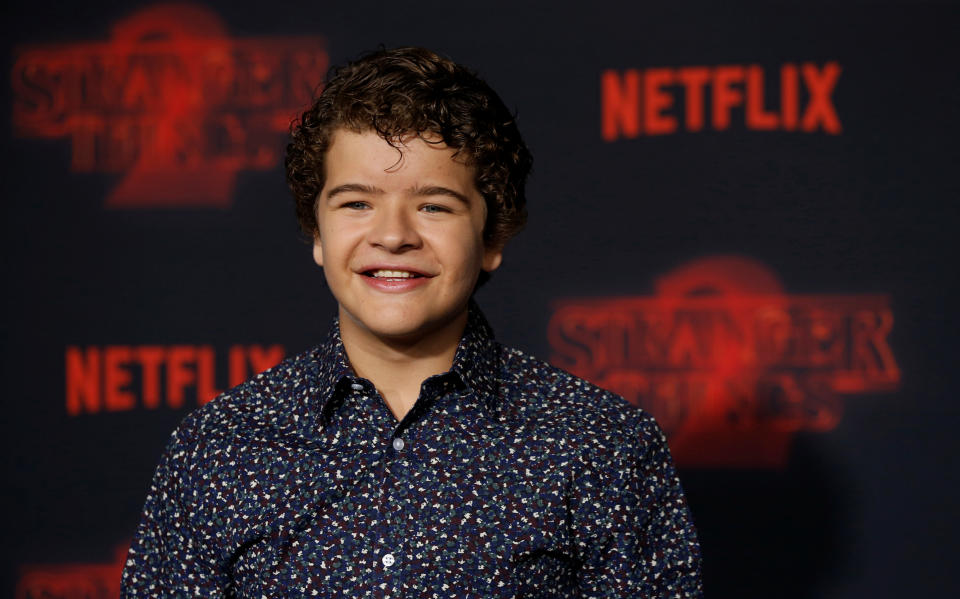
(169,556)
(646,544)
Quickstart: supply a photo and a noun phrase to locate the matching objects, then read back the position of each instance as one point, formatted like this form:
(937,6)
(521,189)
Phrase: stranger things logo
(170,102)
(660,101)
(729,364)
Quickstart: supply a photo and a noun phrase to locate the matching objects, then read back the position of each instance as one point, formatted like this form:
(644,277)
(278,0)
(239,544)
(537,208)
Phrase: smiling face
(401,237)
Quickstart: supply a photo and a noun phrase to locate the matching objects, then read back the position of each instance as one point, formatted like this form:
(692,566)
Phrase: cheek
(460,248)
(337,239)
(469,261)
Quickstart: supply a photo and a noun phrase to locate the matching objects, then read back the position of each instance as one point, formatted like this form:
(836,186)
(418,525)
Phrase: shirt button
(356,386)
(398,443)
(388,560)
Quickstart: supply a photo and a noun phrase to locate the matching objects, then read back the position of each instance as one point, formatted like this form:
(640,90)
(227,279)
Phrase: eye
(435,208)
(355,205)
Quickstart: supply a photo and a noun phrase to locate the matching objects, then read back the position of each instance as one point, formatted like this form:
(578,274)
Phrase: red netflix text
(118,378)
(171,102)
(660,101)
(728,364)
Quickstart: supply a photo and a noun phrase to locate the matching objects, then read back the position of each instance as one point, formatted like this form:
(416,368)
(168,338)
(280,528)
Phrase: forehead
(422,158)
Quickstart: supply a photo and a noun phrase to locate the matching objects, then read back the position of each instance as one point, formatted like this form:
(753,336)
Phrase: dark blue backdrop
(865,509)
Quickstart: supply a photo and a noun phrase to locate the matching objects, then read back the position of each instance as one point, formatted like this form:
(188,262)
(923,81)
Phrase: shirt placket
(363,422)
(387,541)
(398,499)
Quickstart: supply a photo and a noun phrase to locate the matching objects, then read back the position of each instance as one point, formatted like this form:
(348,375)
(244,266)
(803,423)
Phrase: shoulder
(541,397)
(268,403)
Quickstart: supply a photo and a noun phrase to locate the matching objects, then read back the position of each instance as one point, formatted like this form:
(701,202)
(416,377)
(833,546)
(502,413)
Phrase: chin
(408,330)
(387,321)
(400,322)
(400,333)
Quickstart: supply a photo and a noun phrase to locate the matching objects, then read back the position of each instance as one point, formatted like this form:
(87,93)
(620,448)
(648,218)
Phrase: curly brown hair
(397,92)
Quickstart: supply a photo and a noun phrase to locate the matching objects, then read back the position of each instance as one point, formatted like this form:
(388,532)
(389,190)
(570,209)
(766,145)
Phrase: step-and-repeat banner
(740,221)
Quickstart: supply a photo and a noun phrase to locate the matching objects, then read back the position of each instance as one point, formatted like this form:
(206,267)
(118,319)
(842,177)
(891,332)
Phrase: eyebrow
(418,191)
(436,190)
(354,187)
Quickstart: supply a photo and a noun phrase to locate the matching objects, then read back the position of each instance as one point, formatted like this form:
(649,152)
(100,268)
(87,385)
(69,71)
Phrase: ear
(492,257)
(317,251)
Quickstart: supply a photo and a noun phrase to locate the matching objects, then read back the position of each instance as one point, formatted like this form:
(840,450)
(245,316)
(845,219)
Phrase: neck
(398,366)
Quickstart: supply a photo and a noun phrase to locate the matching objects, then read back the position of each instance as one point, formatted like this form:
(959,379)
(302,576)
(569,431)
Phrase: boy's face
(401,235)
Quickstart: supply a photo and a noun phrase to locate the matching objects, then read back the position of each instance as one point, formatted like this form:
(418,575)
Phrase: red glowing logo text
(639,102)
(75,580)
(171,102)
(119,378)
(729,364)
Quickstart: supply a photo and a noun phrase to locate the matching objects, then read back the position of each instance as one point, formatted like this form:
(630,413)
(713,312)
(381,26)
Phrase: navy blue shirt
(508,478)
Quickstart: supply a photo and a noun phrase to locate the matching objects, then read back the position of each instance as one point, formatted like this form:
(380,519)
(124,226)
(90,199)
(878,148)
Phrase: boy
(409,454)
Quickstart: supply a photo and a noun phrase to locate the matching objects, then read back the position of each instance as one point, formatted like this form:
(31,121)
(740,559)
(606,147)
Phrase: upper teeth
(393,274)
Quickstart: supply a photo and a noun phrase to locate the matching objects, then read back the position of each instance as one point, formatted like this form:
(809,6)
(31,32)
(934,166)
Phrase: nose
(393,229)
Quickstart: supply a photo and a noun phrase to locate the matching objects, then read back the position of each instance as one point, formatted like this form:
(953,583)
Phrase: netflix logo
(660,101)
(118,378)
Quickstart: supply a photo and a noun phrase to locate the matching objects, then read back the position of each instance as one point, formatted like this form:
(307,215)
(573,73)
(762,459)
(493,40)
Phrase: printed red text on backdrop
(171,103)
(76,580)
(730,365)
(660,101)
(119,378)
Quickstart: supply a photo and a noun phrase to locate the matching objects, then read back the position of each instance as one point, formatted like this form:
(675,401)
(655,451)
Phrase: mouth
(392,275)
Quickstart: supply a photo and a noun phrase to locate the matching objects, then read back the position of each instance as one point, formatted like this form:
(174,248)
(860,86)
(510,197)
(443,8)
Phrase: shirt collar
(475,362)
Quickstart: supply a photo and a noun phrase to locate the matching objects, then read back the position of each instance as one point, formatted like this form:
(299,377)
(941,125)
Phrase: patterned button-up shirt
(508,478)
